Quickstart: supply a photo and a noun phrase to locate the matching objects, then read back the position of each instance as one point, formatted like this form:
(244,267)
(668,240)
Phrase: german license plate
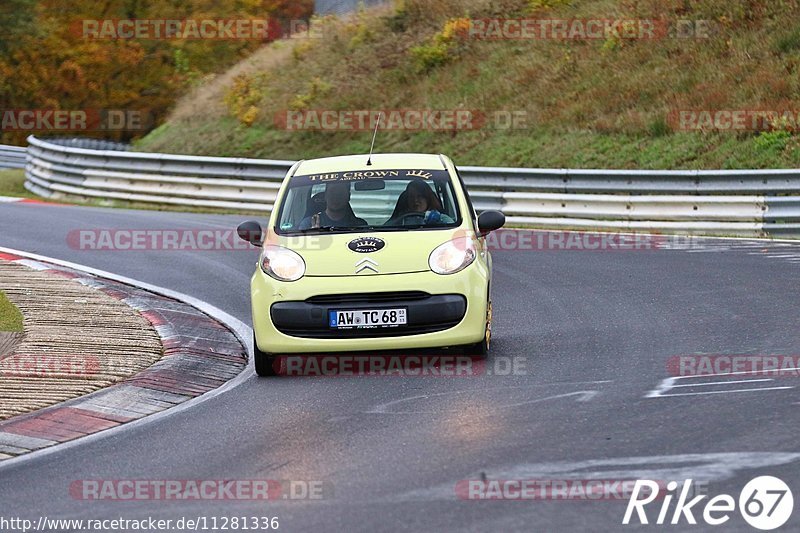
(367,318)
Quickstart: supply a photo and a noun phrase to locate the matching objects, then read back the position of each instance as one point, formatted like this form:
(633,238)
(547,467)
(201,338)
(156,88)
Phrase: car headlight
(453,256)
(281,263)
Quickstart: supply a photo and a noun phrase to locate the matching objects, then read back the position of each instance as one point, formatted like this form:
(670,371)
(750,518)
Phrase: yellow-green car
(381,252)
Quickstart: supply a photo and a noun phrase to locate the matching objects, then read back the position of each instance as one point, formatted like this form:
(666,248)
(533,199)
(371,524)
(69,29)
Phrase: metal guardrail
(12,156)
(89,144)
(728,202)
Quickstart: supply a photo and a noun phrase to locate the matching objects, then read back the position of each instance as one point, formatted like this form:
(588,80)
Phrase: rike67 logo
(765,503)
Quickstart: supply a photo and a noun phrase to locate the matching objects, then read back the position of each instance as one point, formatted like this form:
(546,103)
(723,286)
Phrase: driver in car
(337,213)
(420,200)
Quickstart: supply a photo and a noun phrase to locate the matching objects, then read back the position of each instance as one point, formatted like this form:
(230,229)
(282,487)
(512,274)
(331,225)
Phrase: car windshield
(378,200)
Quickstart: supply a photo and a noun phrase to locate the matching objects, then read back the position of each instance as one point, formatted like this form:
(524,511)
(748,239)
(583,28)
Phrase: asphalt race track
(596,331)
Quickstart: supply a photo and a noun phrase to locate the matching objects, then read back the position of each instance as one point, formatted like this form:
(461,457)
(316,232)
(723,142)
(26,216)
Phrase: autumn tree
(47,63)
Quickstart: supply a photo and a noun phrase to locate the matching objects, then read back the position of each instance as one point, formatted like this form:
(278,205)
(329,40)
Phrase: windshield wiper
(336,228)
(402,228)
(354,228)
(320,228)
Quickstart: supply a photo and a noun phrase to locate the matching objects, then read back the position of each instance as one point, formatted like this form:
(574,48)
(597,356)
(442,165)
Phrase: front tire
(264,363)
(481,349)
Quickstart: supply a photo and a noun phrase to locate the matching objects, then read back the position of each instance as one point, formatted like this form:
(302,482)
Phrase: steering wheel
(411,218)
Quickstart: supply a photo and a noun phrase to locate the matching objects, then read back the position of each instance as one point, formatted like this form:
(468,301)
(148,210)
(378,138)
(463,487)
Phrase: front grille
(367,297)
(317,333)
(427,313)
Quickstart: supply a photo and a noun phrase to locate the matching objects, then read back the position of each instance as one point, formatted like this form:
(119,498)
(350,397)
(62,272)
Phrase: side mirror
(251,232)
(488,221)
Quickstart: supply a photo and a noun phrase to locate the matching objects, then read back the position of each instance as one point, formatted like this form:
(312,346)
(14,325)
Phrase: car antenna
(375,134)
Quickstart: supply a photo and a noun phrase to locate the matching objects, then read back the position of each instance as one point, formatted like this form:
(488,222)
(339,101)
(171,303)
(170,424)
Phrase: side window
(445,195)
(295,204)
(466,195)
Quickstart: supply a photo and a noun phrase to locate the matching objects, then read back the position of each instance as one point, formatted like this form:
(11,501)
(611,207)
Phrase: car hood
(334,255)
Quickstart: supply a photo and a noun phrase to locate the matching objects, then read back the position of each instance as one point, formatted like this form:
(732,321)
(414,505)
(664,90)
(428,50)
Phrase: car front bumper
(443,311)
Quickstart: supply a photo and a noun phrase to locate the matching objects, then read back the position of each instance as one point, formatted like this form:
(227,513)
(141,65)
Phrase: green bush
(772,141)
(659,127)
(317,88)
(399,22)
(789,42)
(243,100)
(429,56)
(445,45)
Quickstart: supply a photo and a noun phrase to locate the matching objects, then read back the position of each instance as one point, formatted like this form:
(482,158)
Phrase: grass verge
(603,103)
(10,317)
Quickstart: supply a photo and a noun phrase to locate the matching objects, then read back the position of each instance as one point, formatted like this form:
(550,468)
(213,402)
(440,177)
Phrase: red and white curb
(205,353)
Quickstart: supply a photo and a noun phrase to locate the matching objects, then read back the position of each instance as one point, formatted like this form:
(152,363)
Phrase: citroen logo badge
(366,264)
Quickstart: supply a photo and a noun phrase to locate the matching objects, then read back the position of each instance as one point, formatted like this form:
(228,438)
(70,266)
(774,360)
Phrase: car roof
(379,162)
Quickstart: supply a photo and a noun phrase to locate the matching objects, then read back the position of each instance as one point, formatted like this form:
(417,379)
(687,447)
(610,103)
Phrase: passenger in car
(419,199)
(337,213)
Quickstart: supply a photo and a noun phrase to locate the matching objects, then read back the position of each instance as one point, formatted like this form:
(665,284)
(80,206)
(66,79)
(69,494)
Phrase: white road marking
(662,387)
(780,249)
(721,382)
(742,372)
(668,384)
(759,389)
(584,396)
(708,466)
(705,467)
